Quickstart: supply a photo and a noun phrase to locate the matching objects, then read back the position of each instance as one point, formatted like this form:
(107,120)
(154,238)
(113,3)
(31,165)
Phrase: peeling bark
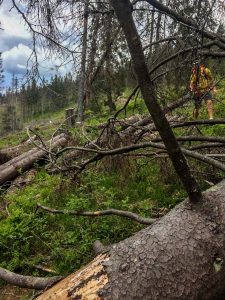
(83,284)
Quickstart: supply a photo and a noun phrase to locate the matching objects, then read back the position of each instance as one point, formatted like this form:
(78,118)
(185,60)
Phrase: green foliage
(13,139)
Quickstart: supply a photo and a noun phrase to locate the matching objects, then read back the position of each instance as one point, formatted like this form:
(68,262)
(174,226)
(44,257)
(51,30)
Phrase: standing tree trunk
(123,11)
(158,26)
(108,64)
(91,60)
(80,100)
(152,31)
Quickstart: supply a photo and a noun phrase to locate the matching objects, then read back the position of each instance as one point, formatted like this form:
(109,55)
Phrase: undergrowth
(29,238)
(64,243)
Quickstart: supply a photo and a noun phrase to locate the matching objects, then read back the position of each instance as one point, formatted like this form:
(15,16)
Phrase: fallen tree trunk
(181,256)
(169,108)
(25,161)
(126,135)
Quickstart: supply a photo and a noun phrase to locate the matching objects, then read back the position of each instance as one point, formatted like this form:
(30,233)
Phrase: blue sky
(16,46)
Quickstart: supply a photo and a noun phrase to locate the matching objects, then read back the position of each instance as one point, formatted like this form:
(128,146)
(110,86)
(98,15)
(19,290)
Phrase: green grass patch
(63,242)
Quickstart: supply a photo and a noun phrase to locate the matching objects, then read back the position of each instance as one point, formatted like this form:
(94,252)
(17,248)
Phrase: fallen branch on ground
(30,282)
(196,138)
(111,211)
(198,122)
(100,154)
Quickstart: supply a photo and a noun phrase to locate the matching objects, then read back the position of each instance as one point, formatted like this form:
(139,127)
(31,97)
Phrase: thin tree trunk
(91,61)
(80,100)
(152,31)
(158,26)
(108,64)
(124,14)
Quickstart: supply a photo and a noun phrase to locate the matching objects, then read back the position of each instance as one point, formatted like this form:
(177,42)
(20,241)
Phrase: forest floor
(10,292)
(63,243)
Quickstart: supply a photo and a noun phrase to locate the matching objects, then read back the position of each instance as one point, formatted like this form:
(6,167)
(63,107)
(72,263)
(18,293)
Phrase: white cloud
(16,47)
(21,66)
(15,59)
(12,22)
(15,62)
(14,30)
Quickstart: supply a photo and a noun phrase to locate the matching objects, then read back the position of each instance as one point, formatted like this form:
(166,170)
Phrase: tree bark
(181,256)
(91,61)
(80,100)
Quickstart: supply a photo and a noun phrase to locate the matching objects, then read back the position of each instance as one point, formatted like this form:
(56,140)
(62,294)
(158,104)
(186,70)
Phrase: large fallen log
(25,161)
(181,256)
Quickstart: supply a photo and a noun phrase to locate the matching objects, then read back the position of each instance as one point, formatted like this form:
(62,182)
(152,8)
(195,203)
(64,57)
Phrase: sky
(16,46)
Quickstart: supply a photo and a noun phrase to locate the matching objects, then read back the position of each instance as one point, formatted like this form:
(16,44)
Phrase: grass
(64,243)
(13,139)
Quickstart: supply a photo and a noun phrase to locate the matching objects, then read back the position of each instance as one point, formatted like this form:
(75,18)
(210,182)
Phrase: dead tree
(123,11)
(80,100)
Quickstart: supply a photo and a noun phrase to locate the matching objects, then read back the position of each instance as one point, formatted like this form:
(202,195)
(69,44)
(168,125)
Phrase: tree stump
(69,117)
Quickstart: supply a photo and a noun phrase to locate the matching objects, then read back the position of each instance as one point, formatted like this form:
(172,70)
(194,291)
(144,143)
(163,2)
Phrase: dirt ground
(9,292)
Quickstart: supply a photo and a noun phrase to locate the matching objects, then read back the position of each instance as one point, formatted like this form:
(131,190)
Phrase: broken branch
(110,211)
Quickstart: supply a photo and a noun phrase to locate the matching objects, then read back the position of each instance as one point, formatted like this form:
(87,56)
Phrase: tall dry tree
(82,74)
(1,72)
(92,58)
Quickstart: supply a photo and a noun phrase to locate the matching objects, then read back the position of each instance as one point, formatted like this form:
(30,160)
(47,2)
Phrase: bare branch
(189,22)
(127,102)
(44,148)
(198,122)
(40,33)
(197,138)
(110,211)
(207,145)
(30,282)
